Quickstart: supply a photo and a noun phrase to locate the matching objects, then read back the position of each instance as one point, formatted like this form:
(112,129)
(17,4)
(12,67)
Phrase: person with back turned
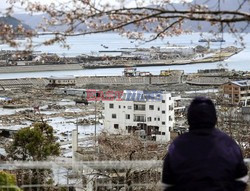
(204,159)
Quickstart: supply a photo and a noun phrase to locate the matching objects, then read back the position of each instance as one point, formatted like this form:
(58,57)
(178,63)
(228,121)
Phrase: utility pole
(146,130)
(95,127)
(77,129)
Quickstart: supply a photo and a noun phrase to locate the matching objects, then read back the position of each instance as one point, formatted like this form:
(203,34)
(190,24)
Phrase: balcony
(139,118)
(139,107)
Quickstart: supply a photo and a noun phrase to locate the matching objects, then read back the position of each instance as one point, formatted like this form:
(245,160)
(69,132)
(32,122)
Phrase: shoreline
(69,67)
(135,63)
(39,68)
(172,63)
(156,64)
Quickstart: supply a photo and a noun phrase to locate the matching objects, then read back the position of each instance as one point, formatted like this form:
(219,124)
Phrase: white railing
(87,175)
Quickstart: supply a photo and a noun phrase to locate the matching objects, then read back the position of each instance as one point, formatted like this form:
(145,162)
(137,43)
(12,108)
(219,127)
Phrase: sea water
(90,44)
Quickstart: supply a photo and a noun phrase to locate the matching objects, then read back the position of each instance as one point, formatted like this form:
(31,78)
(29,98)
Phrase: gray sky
(127,3)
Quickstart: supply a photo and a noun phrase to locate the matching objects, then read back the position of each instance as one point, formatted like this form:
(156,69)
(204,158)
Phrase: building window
(111,105)
(158,109)
(149,119)
(124,106)
(170,108)
(139,118)
(163,111)
(114,116)
(155,119)
(170,118)
(162,101)
(169,129)
(163,133)
(116,126)
(119,107)
(163,123)
(140,107)
(159,119)
(151,107)
(169,98)
(127,116)
(129,107)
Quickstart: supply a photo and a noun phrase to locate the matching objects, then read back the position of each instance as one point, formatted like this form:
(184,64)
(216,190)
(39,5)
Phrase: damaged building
(148,114)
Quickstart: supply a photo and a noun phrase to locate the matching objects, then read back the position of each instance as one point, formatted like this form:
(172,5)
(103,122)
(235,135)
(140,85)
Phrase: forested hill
(231,5)
(14,22)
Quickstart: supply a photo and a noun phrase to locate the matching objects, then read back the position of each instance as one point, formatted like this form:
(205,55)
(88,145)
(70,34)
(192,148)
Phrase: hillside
(194,26)
(14,22)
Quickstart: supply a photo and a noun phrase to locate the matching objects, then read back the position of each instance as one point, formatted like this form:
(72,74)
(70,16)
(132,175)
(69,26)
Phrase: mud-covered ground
(29,105)
(60,111)
(168,87)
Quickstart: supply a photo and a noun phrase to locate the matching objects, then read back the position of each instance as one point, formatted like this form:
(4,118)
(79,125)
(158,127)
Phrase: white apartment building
(149,114)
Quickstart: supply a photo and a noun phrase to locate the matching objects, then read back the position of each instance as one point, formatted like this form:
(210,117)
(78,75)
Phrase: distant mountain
(31,20)
(195,26)
(14,22)
(34,20)
(224,5)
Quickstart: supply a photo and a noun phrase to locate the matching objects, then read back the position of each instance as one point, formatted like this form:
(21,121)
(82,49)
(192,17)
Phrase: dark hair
(201,113)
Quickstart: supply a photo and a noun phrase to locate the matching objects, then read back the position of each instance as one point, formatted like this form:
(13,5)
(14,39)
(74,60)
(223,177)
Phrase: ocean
(91,44)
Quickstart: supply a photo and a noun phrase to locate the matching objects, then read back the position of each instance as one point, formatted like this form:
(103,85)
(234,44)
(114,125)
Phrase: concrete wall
(24,82)
(207,80)
(177,79)
(109,80)
(127,80)
(52,67)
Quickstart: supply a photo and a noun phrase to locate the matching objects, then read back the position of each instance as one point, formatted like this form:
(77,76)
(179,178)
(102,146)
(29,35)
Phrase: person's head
(201,113)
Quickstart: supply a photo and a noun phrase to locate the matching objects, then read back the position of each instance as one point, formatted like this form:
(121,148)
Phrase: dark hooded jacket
(204,159)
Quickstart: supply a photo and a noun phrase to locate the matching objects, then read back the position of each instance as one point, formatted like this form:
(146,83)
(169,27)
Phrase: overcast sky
(127,3)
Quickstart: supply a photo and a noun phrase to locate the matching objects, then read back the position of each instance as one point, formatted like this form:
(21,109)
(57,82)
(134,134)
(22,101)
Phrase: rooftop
(142,95)
(61,78)
(242,83)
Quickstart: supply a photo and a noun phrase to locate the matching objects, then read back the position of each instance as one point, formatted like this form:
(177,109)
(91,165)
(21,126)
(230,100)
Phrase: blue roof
(242,83)
(142,95)
(5,98)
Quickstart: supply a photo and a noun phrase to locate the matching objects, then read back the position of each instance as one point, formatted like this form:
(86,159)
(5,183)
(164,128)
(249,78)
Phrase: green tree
(36,143)
(8,182)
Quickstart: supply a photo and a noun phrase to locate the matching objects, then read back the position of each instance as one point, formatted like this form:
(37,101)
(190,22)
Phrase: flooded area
(61,112)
